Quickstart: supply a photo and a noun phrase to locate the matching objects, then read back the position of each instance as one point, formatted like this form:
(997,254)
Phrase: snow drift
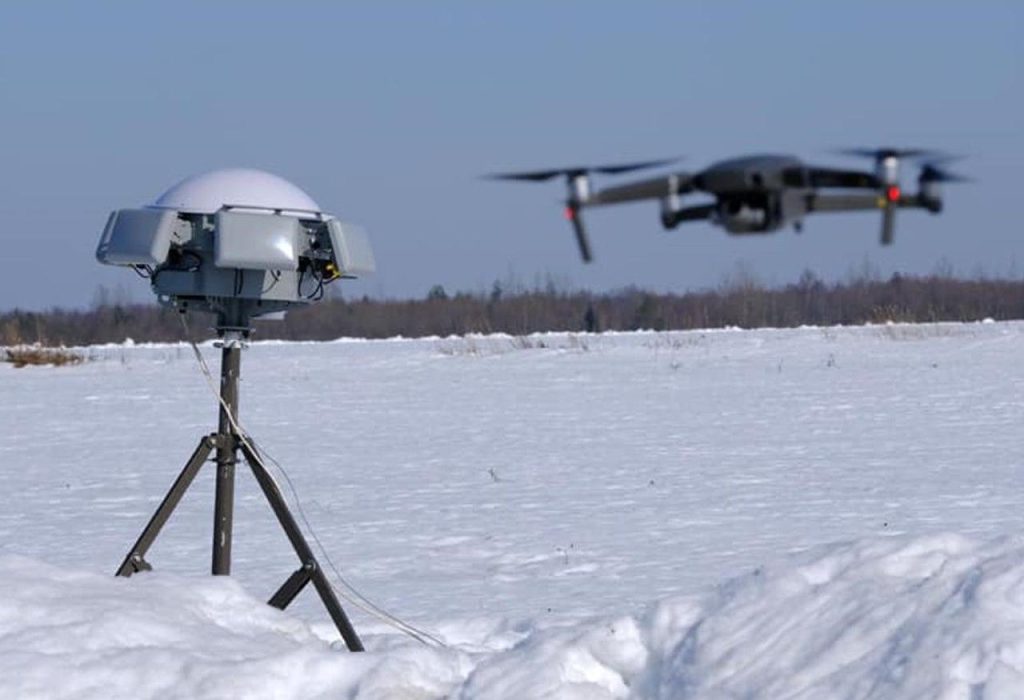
(937,617)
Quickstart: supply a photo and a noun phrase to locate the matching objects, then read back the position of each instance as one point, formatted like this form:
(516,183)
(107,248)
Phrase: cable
(363,603)
(276,276)
(318,292)
(351,593)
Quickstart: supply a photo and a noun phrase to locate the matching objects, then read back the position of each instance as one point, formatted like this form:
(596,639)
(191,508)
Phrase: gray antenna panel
(257,241)
(352,251)
(137,237)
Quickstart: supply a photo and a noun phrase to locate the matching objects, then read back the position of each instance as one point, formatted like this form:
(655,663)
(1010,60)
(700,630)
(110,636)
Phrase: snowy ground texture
(808,513)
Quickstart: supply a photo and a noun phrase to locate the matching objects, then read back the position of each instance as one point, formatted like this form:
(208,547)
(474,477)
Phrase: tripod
(228,442)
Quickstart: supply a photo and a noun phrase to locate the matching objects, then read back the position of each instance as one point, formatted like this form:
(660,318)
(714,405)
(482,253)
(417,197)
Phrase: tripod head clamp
(232,338)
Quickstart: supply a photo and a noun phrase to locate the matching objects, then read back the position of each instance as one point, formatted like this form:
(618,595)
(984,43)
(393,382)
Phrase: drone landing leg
(135,560)
(310,569)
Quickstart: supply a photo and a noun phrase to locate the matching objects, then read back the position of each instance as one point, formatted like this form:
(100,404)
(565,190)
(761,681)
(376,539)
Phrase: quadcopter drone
(760,193)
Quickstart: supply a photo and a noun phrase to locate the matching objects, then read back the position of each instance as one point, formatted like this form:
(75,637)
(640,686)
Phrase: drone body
(759,193)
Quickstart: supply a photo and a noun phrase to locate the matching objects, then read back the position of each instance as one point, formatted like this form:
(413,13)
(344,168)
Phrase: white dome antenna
(237,242)
(210,192)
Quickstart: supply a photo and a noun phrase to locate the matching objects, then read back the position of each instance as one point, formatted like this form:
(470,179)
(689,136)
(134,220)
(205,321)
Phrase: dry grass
(25,355)
(923,331)
(501,344)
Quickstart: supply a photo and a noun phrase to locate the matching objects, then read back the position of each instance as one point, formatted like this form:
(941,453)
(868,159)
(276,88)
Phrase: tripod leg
(135,561)
(310,570)
(291,588)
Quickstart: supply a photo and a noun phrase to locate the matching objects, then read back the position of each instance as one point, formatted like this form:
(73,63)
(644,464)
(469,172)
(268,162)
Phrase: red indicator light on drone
(893,193)
(570,213)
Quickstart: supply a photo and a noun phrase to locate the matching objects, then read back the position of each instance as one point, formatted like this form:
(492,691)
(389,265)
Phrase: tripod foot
(136,563)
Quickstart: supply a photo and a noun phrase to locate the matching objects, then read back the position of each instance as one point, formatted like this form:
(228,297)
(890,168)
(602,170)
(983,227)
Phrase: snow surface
(777,513)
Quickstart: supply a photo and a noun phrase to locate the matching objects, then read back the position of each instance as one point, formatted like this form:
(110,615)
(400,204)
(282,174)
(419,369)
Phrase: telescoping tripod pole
(228,442)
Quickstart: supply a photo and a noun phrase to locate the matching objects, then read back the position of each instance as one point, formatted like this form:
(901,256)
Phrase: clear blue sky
(387,112)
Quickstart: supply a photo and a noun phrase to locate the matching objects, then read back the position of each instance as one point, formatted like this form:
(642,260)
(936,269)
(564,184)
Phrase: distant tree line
(744,303)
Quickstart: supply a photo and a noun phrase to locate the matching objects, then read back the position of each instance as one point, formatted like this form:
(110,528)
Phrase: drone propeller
(573,172)
(578,181)
(888,152)
(930,180)
(932,172)
(629,167)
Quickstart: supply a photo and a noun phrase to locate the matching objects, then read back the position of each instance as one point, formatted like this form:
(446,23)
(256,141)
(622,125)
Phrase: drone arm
(888,202)
(844,202)
(652,188)
(862,202)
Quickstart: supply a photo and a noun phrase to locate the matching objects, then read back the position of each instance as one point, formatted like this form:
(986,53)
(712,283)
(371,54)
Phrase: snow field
(530,500)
